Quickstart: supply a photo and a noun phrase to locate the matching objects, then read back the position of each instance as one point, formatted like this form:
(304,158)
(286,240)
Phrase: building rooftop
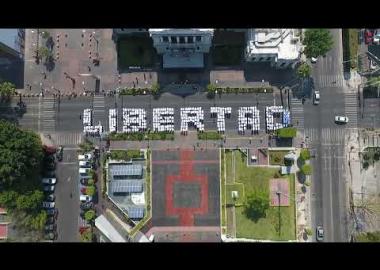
(123,171)
(126,186)
(281,42)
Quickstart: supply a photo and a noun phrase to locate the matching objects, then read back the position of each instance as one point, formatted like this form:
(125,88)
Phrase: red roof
(3,231)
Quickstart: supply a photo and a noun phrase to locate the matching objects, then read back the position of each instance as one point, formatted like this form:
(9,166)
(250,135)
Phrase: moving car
(49,181)
(320,233)
(368,36)
(49,188)
(48,204)
(85,198)
(60,153)
(341,119)
(316,97)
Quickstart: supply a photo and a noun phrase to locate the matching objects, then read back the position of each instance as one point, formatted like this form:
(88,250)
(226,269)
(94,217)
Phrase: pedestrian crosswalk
(48,114)
(325,135)
(351,109)
(98,112)
(297,113)
(67,138)
(330,81)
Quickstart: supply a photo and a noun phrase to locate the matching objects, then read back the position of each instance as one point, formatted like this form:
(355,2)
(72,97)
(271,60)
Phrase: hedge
(140,136)
(289,132)
(261,89)
(126,154)
(209,135)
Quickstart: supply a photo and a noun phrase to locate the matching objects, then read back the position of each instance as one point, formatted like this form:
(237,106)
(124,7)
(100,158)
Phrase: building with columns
(182,48)
(280,47)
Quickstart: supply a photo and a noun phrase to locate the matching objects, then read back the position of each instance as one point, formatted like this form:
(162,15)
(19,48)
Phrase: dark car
(50,220)
(49,174)
(52,212)
(50,198)
(49,158)
(86,206)
(84,181)
(48,188)
(50,166)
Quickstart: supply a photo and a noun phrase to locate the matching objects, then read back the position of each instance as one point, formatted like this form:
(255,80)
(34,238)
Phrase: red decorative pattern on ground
(186,174)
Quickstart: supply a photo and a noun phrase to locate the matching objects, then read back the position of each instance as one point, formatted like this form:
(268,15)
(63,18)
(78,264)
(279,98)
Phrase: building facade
(12,43)
(182,48)
(280,47)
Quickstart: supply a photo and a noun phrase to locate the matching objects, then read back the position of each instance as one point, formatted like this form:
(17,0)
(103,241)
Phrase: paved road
(67,197)
(329,203)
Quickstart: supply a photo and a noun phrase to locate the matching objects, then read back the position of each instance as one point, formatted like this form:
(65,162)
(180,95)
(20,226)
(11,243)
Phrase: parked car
(51,236)
(52,212)
(49,181)
(50,166)
(368,36)
(50,220)
(60,153)
(84,173)
(86,205)
(341,119)
(320,233)
(49,188)
(85,164)
(84,181)
(87,157)
(83,190)
(48,204)
(49,174)
(316,97)
(50,227)
(50,198)
(49,158)
(85,198)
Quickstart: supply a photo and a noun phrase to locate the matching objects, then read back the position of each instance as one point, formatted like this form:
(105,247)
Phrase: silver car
(320,233)
(48,205)
(49,181)
(341,119)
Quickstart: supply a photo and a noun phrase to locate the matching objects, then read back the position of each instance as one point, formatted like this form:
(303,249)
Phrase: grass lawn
(135,51)
(277,157)
(209,135)
(223,190)
(239,187)
(228,157)
(227,55)
(257,178)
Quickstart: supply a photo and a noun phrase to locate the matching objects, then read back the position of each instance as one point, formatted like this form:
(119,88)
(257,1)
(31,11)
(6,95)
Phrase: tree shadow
(49,63)
(301,177)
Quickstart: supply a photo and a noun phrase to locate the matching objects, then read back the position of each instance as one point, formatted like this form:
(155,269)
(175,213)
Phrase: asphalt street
(329,206)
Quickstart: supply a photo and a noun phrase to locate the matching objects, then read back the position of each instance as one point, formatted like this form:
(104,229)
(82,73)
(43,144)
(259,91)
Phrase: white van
(84,173)
(85,198)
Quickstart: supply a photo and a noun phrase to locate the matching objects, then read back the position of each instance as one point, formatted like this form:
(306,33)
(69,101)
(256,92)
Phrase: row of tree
(20,188)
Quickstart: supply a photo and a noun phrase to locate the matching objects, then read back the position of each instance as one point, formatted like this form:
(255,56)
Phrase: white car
(341,119)
(49,181)
(84,164)
(314,60)
(48,205)
(85,157)
(316,97)
(85,198)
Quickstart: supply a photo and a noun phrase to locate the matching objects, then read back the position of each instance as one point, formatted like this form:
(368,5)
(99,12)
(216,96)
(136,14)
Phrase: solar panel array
(127,170)
(126,186)
(135,212)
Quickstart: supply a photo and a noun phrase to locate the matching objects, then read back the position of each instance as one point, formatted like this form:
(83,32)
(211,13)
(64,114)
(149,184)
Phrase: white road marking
(69,179)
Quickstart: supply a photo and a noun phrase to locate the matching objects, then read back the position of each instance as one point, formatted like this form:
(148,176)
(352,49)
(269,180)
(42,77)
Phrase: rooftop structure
(126,186)
(280,47)
(12,42)
(106,228)
(125,171)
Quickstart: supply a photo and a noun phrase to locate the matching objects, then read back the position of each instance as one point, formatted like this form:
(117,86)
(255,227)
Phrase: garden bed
(238,90)
(209,135)
(140,136)
(277,157)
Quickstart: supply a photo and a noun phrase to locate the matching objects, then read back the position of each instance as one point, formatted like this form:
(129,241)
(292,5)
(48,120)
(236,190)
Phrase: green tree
(317,41)
(37,222)
(256,205)
(8,198)
(304,70)
(89,215)
(155,88)
(20,156)
(7,89)
(86,236)
(90,190)
(305,154)
(306,169)
(44,52)
(45,34)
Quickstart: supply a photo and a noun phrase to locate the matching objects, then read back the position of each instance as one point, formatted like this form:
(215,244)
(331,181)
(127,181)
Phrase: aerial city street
(189,135)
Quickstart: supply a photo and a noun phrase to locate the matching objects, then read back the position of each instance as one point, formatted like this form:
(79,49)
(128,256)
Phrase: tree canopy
(257,204)
(20,154)
(306,169)
(304,70)
(317,41)
(7,89)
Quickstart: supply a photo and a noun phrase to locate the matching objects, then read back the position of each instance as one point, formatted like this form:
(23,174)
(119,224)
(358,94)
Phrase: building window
(173,39)
(198,38)
(181,40)
(268,58)
(282,64)
(190,39)
(165,39)
(261,59)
